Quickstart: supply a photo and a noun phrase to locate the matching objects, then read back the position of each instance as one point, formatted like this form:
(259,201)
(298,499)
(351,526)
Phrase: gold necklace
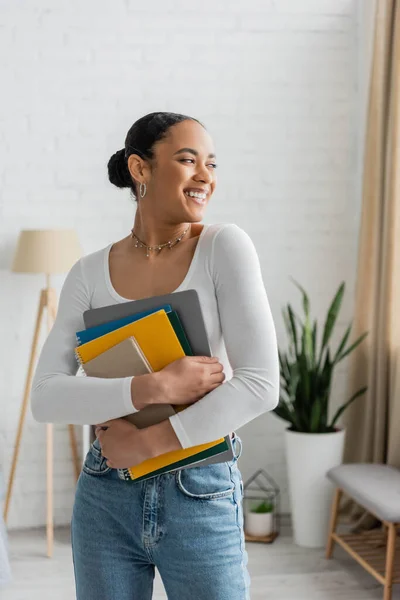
(170,244)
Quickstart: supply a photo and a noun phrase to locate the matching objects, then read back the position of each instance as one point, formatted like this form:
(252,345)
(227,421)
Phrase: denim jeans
(188,524)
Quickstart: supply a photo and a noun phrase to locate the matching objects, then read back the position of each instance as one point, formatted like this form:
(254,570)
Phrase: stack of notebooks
(144,336)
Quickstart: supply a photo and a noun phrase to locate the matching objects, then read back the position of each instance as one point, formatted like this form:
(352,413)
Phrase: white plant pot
(309,457)
(258,524)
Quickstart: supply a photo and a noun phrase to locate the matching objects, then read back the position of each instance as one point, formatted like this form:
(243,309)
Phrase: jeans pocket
(95,463)
(210,482)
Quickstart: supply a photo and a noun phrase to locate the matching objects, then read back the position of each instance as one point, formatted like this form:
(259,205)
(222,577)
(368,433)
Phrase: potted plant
(259,519)
(314,442)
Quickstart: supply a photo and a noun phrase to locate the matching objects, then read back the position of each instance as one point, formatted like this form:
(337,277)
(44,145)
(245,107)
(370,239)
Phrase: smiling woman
(168,161)
(153,147)
(122,530)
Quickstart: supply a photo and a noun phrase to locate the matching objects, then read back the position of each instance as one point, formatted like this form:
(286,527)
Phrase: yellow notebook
(164,463)
(154,327)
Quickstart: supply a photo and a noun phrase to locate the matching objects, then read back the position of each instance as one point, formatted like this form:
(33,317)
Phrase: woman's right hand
(186,380)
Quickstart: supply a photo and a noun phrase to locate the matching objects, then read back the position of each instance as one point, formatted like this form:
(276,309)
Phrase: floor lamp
(47,252)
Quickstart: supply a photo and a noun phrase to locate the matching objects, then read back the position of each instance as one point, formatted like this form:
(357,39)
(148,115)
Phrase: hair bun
(118,172)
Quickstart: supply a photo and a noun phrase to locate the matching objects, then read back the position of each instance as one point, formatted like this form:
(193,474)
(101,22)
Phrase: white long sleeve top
(225,271)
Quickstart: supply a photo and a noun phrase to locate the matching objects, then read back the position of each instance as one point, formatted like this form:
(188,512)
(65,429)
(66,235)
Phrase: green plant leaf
(283,412)
(285,317)
(293,328)
(306,301)
(306,343)
(342,343)
(285,372)
(315,416)
(263,507)
(307,338)
(351,348)
(304,375)
(330,321)
(314,342)
(343,408)
(325,388)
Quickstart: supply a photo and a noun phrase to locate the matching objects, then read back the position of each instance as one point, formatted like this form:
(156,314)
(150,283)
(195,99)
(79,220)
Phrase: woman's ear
(137,167)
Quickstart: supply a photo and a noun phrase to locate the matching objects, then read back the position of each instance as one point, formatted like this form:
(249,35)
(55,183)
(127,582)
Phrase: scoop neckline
(181,286)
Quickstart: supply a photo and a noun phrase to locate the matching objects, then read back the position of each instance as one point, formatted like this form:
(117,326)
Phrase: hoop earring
(142,195)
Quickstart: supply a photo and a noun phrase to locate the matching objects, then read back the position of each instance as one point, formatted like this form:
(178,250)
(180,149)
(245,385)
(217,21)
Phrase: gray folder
(187,305)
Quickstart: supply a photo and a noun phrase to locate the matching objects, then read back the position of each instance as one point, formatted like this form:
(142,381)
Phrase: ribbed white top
(226,273)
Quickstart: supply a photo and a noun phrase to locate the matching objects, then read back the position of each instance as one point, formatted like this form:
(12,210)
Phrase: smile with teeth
(198,197)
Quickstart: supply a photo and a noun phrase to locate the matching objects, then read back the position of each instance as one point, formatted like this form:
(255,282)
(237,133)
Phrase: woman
(189,524)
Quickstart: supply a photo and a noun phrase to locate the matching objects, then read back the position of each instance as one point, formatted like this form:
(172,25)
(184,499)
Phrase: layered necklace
(170,244)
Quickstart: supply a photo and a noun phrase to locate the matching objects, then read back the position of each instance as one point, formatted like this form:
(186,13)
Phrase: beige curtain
(373,420)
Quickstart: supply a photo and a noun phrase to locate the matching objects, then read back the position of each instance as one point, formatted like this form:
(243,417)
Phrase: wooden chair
(377,489)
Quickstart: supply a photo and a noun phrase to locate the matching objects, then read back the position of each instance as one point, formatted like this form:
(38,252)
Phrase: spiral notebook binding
(80,361)
(78,356)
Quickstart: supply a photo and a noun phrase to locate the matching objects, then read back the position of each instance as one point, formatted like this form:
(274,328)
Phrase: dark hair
(140,139)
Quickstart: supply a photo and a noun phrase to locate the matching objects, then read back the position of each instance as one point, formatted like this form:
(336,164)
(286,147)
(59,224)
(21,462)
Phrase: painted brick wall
(275,82)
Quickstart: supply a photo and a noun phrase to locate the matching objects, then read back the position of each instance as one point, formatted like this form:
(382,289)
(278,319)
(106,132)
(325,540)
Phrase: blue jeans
(188,524)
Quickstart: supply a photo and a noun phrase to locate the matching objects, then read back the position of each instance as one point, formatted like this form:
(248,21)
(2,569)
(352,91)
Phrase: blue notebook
(87,335)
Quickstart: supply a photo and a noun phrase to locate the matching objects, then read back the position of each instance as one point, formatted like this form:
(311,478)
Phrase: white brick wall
(275,83)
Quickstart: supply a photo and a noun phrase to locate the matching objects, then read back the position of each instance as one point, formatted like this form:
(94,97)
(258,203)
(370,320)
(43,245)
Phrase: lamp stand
(47,301)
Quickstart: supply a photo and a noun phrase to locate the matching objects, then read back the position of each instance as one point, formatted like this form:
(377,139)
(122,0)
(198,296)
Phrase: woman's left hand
(122,444)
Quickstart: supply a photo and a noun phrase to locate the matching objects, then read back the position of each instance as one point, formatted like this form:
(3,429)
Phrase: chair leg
(333,522)
(390,554)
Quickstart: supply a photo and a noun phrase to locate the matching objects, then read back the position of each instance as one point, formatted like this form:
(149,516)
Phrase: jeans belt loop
(236,441)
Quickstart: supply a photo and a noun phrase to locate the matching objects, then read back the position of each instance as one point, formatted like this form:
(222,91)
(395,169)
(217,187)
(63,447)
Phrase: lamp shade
(46,251)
